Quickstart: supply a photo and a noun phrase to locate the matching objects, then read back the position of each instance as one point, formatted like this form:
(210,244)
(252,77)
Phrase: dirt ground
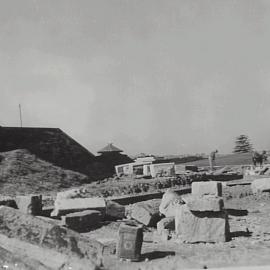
(250,244)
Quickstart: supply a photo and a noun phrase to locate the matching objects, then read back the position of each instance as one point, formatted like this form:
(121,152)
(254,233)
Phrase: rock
(82,221)
(206,188)
(45,234)
(13,260)
(146,212)
(167,223)
(43,258)
(205,203)
(169,202)
(8,201)
(115,210)
(66,206)
(193,227)
(260,185)
(30,204)
(70,194)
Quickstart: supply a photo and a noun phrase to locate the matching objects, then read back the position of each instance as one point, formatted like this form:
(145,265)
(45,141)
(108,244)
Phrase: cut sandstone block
(205,203)
(66,206)
(146,212)
(31,204)
(82,221)
(206,188)
(170,200)
(260,185)
(167,223)
(115,210)
(46,234)
(42,258)
(209,227)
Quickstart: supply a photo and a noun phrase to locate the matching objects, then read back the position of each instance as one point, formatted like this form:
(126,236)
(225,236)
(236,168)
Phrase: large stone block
(115,210)
(169,202)
(260,185)
(30,204)
(146,212)
(82,221)
(46,234)
(167,223)
(193,227)
(205,203)
(32,257)
(206,188)
(66,206)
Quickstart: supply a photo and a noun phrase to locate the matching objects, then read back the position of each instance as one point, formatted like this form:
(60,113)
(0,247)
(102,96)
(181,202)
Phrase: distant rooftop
(110,148)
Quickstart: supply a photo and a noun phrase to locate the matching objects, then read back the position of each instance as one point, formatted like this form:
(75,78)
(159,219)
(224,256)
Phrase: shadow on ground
(241,234)
(237,212)
(157,255)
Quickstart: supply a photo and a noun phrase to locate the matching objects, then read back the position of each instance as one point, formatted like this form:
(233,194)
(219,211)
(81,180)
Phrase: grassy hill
(222,160)
(22,173)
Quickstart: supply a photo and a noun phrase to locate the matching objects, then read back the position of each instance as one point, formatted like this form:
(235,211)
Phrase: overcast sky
(161,77)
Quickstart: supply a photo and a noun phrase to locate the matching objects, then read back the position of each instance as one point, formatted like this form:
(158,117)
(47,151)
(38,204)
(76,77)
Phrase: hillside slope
(22,172)
(232,159)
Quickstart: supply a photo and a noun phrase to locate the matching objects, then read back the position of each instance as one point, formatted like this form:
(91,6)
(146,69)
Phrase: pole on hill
(20,110)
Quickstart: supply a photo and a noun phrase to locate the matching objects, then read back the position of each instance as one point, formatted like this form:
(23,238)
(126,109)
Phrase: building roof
(110,148)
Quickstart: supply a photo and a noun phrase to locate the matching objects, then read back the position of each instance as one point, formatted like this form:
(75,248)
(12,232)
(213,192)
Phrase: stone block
(115,210)
(205,203)
(194,227)
(45,234)
(36,257)
(206,188)
(70,193)
(66,206)
(167,223)
(169,202)
(146,212)
(30,204)
(260,185)
(82,221)
(8,201)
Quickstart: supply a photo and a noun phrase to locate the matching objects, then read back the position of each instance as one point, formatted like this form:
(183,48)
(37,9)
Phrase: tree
(242,144)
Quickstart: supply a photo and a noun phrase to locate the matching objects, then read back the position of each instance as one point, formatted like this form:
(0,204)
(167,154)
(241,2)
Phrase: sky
(152,76)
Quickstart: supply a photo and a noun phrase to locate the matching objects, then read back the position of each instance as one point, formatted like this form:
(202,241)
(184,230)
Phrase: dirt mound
(22,172)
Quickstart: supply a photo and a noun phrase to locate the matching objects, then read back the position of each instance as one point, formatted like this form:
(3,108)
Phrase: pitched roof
(110,148)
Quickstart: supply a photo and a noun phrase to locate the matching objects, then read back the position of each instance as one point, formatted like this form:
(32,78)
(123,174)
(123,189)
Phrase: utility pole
(20,110)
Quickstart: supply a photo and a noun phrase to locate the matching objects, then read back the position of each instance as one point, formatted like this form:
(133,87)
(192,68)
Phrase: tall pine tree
(242,144)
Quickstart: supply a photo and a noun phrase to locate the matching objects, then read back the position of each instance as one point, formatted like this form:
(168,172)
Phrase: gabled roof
(110,148)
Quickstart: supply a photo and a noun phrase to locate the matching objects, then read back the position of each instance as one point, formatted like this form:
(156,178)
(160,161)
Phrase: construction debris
(82,221)
(130,240)
(170,200)
(36,257)
(66,206)
(115,210)
(44,234)
(260,185)
(206,188)
(167,223)
(203,218)
(30,204)
(194,227)
(146,212)
(205,203)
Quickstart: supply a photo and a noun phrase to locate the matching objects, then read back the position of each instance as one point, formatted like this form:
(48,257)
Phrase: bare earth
(250,244)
